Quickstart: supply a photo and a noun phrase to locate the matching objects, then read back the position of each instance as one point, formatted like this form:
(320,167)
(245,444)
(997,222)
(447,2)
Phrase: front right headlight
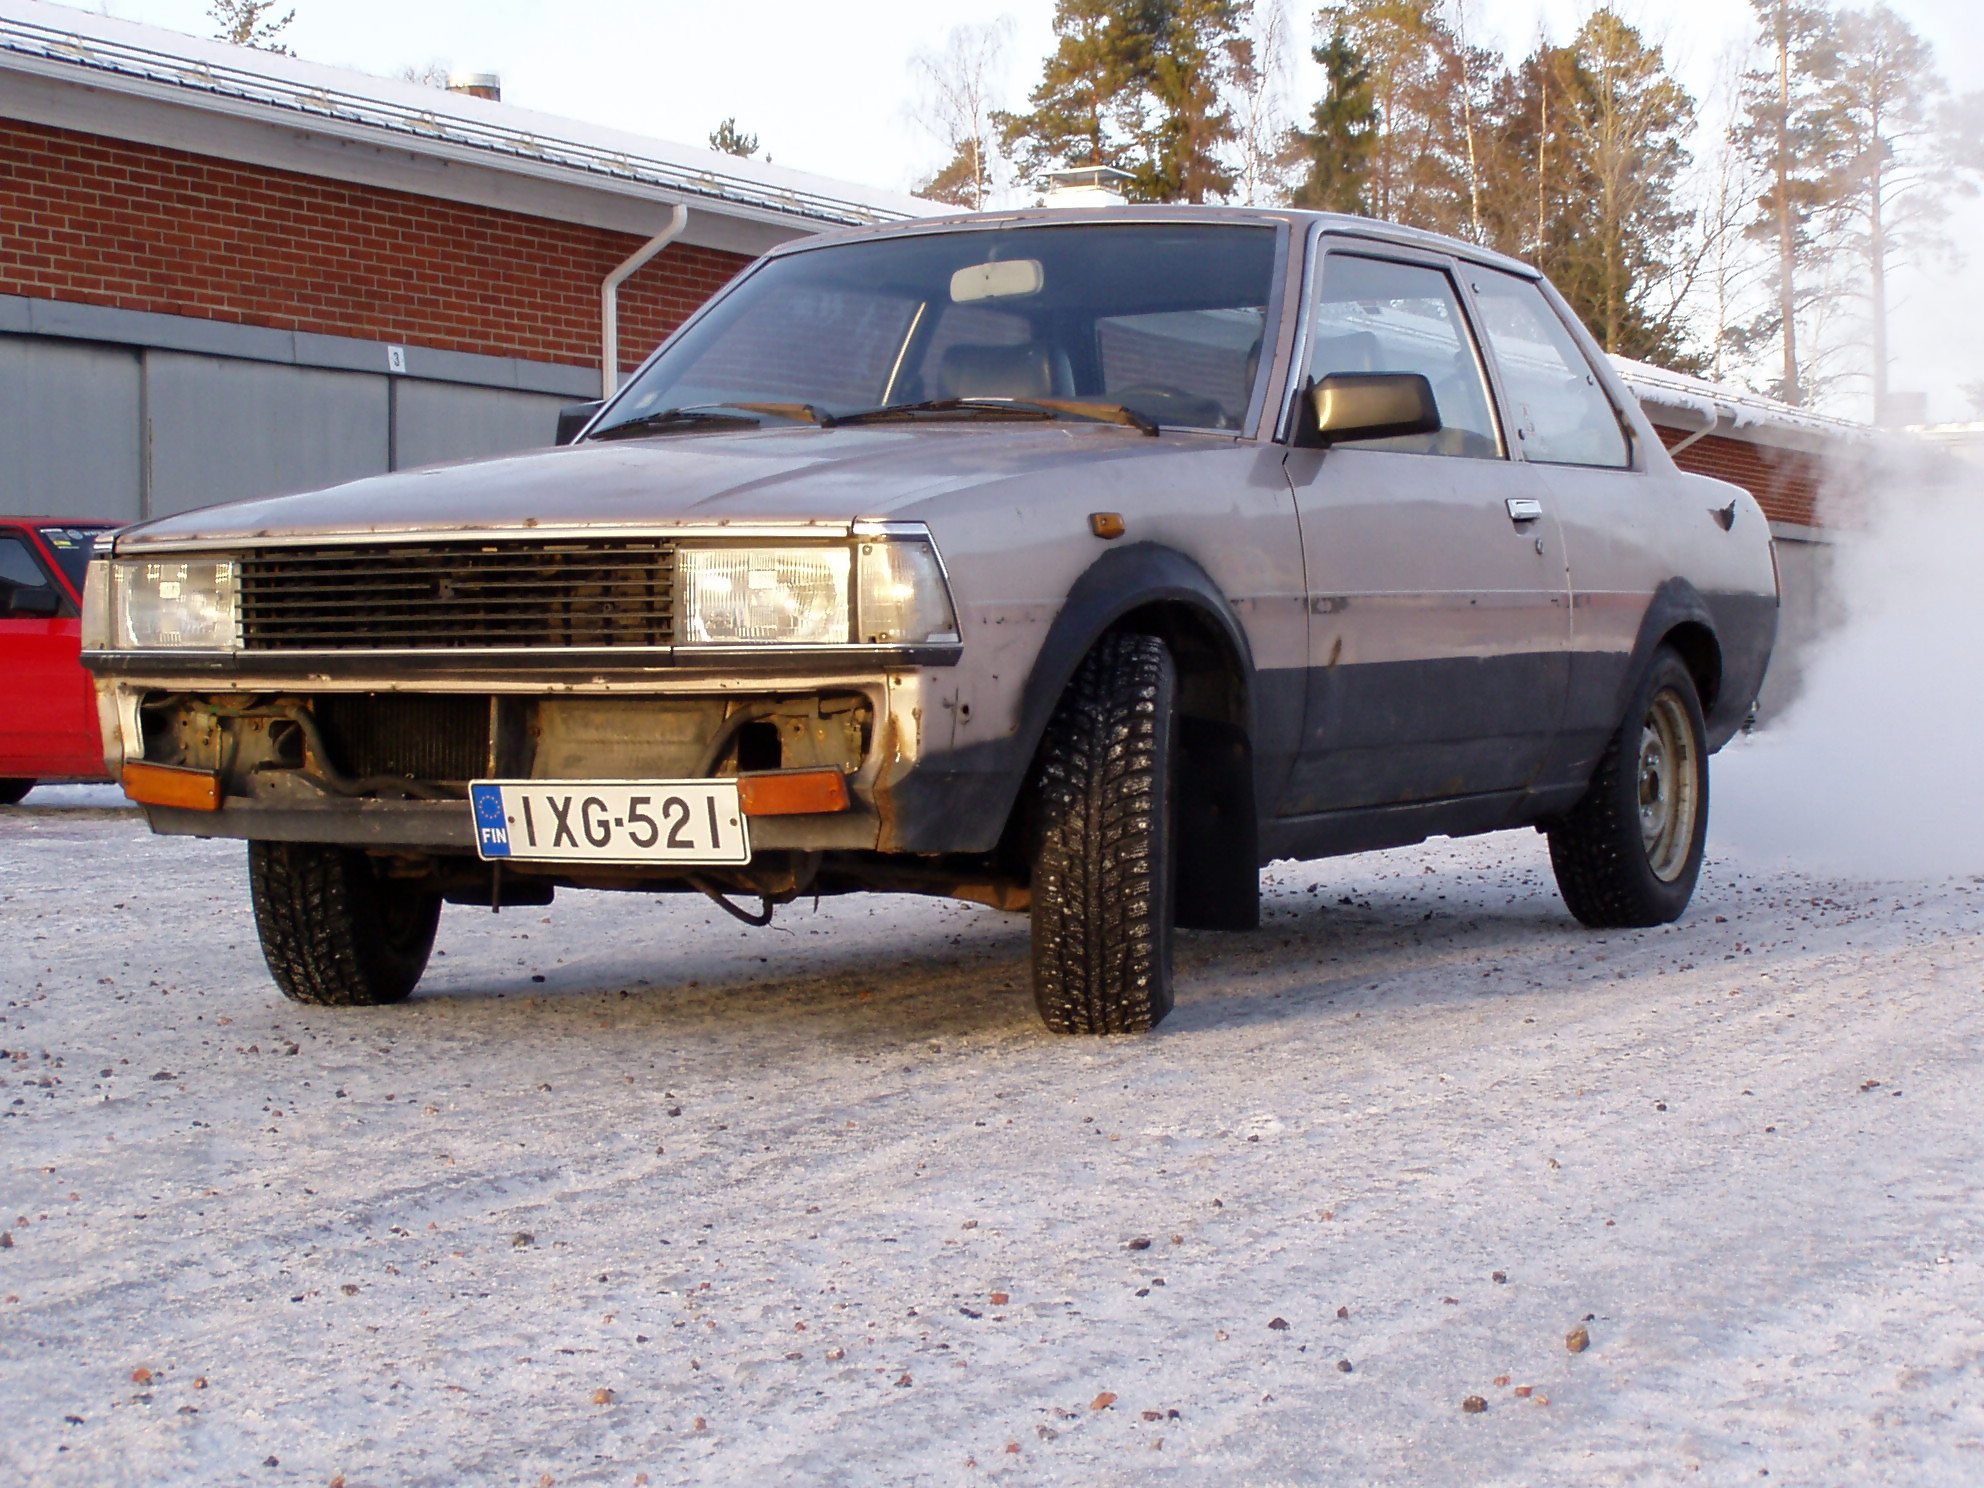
(190,604)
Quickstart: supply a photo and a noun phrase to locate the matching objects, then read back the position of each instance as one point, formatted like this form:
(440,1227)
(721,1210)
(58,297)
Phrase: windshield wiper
(711,416)
(1019,408)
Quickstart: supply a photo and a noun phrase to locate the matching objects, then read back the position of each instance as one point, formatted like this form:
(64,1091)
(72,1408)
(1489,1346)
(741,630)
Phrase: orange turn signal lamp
(171,785)
(793,792)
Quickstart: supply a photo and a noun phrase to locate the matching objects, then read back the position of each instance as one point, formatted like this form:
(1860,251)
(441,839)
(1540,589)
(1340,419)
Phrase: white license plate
(610,821)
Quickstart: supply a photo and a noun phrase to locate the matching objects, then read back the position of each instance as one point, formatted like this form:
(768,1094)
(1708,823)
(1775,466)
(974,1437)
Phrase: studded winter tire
(1629,852)
(334,931)
(1104,828)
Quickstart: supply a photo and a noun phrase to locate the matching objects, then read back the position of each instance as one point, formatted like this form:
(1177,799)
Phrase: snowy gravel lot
(628,1189)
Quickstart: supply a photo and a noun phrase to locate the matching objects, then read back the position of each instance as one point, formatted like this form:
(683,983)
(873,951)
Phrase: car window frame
(51,572)
(1601,372)
(1328,240)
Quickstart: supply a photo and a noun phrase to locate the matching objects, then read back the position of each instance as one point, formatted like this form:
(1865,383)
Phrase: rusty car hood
(781,476)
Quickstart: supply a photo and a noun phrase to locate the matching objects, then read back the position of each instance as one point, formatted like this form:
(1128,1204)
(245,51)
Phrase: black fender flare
(1674,604)
(963,799)
(1119,583)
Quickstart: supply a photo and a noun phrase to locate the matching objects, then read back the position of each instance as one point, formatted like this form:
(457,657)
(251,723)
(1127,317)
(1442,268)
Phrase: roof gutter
(609,298)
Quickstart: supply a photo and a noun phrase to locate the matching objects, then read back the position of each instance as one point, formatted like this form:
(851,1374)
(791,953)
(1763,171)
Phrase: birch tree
(957,84)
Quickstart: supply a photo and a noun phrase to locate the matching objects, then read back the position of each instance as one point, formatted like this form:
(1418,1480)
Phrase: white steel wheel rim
(1669,787)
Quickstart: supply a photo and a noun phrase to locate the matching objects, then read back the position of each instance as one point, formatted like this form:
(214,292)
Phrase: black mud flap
(1219,875)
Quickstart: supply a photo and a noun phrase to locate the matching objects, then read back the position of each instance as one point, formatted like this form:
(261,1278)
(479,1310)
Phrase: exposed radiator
(407,736)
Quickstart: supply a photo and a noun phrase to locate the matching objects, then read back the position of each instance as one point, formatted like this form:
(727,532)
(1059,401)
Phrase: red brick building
(1797,463)
(225,273)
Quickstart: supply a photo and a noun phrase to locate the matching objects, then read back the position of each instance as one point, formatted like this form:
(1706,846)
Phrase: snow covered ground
(629,1193)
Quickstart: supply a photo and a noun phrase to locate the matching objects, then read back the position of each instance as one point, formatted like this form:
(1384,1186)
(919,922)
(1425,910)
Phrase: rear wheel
(334,932)
(13,792)
(1629,852)
(1103,844)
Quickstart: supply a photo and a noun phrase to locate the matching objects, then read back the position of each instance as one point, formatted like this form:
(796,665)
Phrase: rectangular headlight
(795,596)
(178,604)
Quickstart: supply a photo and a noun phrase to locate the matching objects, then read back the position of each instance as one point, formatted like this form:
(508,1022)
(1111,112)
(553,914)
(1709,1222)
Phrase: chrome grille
(441,596)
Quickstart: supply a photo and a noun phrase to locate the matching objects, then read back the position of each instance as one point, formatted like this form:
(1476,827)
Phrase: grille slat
(610,593)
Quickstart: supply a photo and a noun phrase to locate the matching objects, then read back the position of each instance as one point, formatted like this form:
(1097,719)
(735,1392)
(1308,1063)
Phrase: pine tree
(1879,92)
(730,140)
(1183,59)
(1082,86)
(1336,149)
(963,180)
(1788,131)
(1418,156)
(1624,126)
(248,23)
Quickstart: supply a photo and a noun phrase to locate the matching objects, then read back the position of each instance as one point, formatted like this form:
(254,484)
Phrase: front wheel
(13,792)
(1103,844)
(1628,854)
(334,931)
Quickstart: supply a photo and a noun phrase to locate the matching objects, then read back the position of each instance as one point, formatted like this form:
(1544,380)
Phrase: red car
(48,723)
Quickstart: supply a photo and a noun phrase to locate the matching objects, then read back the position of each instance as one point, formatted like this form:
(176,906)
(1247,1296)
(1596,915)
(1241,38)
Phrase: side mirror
(34,604)
(574,417)
(1366,405)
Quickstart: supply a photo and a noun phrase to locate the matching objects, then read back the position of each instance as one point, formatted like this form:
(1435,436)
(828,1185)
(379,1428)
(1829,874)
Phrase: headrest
(994,372)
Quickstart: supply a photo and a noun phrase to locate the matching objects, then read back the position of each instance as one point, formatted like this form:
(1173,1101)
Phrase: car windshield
(72,547)
(1166,320)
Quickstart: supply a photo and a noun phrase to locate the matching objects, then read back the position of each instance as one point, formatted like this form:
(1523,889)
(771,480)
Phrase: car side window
(1560,411)
(19,568)
(1376,315)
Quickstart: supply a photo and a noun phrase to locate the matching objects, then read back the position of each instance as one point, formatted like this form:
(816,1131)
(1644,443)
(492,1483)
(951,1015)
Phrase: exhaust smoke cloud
(1877,767)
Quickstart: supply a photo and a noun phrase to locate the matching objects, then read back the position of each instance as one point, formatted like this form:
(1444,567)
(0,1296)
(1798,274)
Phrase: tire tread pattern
(1101,869)
(321,916)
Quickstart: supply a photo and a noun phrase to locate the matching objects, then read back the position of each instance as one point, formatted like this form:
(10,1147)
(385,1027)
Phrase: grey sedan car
(1075,563)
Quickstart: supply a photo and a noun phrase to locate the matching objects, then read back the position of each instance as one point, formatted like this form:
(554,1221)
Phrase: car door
(66,548)
(39,668)
(1438,603)
(1575,437)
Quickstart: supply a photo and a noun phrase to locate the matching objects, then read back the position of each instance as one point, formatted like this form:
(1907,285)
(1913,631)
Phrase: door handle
(1524,509)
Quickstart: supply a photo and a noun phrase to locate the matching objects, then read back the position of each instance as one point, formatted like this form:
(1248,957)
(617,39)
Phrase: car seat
(969,371)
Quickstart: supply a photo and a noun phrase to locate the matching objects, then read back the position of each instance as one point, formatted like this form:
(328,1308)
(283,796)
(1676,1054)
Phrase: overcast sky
(826,87)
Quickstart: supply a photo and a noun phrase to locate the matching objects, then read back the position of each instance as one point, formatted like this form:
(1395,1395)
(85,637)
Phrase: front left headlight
(191,604)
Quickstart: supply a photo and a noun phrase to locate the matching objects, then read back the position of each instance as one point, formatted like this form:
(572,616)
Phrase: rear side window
(1378,316)
(1562,415)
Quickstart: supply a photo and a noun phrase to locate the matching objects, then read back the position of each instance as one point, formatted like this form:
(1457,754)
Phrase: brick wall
(1785,482)
(104,221)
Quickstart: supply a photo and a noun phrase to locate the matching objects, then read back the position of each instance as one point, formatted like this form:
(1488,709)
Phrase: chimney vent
(477,85)
(1087,186)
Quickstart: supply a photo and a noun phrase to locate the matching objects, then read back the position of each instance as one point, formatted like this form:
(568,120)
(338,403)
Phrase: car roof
(1336,223)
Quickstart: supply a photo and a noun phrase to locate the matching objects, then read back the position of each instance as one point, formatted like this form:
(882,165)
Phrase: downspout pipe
(1714,423)
(609,299)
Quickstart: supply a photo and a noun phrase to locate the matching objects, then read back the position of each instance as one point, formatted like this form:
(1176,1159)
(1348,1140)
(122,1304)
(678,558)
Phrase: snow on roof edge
(1720,402)
(102,51)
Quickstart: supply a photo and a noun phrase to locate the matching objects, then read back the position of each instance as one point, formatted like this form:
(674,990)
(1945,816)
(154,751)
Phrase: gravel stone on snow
(823,1203)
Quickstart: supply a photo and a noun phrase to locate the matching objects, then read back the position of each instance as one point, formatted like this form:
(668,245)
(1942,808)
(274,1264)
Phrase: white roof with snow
(1722,408)
(146,83)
